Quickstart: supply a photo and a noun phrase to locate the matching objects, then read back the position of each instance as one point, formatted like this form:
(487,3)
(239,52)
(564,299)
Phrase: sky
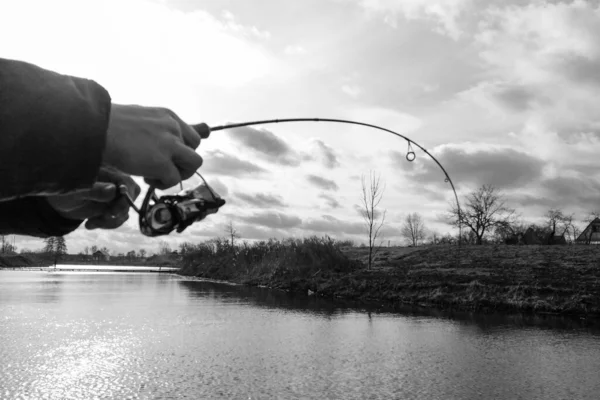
(501,92)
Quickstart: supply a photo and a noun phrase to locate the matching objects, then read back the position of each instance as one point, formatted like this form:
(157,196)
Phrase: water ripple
(152,337)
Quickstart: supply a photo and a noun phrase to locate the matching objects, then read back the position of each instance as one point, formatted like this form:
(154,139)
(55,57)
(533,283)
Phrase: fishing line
(204,130)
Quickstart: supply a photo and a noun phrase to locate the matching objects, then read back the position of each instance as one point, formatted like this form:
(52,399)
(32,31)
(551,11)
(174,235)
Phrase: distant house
(530,237)
(99,255)
(591,234)
(556,239)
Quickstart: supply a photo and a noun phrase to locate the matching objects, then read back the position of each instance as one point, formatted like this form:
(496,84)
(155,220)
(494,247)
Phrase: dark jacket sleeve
(52,130)
(33,216)
(52,137)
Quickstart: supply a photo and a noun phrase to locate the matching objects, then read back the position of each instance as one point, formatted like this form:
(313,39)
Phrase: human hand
(153,143)
(102,205)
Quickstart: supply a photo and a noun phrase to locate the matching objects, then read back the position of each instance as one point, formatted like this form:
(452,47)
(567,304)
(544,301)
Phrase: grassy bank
(45,260)
(19,260)
(545,279)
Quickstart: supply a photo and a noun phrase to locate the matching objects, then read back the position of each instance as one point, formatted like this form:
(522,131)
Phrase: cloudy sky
(502,92)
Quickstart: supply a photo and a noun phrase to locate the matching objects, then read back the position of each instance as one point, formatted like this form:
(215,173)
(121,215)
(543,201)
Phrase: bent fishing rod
(160,216)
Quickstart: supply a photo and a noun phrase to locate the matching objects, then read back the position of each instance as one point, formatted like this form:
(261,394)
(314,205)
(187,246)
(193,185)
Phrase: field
(557,279)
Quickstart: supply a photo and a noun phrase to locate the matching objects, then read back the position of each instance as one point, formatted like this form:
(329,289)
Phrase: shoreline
(543,280)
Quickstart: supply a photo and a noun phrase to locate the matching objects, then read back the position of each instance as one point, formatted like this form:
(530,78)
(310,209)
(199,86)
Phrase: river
(69,335)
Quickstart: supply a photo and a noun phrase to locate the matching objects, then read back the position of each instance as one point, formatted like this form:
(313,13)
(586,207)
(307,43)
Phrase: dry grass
(556,279)
(548,279)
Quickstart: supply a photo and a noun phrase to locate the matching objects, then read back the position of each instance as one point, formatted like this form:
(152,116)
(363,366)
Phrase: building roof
(591,233)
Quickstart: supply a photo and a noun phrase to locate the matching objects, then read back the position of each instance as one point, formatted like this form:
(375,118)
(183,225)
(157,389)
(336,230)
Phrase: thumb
(102,192)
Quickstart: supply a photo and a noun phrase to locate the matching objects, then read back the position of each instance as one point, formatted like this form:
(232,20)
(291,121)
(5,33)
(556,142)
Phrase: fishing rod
(160,216)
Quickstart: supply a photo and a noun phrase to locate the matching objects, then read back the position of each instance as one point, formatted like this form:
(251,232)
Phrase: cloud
(132,47)
(233,25)
(220,163)
(536,205)
(325,153)
(573,193)
(352,90)
(253,232)
(499,166)
(332,225)
(272,220)
(294,50)
(543,58)
(377,213)
(261,200)
(266,144)
(219,187)
(573,190)
(516,98)
(538,35)
(330,200)
(443,13)
(322,183)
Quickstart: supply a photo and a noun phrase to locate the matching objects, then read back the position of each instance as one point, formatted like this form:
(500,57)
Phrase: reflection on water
(261,297)
(84,335)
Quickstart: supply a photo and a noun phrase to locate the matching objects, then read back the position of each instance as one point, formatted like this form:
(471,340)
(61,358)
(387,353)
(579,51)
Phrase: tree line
(484,217)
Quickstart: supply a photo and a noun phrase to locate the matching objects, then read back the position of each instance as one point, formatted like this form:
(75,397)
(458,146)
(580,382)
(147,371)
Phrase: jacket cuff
(34,216)
(52,131)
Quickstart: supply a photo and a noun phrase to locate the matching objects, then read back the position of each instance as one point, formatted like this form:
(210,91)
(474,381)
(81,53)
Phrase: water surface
(88,335)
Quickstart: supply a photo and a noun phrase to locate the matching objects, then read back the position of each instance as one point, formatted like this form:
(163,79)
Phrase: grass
(541,279)
(46,260)
(291,264)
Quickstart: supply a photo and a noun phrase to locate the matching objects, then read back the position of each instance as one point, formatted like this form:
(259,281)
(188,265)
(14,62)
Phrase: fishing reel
(160,216)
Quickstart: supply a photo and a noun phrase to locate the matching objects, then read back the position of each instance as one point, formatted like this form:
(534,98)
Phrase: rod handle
(202,129)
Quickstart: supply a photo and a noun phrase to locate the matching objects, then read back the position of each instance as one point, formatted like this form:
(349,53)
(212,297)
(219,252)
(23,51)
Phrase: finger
(187,161)
(191,138)
(136,190)
(118,208)
(111,174)
(112,217)
(170,177)
(131,187)
(101,192)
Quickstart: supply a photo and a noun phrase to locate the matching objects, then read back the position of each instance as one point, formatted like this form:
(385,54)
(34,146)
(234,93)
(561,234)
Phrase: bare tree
(554,216)
(232,233)
(483,210)
(374,219)
(6,246)
(413,228)
(142,253)
(571,229)
(164,248)
(55,246)
(592,215)
(186,247)
(564,222)
(434,237)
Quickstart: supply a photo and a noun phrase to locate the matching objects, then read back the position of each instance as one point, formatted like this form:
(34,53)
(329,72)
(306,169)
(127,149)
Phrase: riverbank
(22,261)
(540,279)
(30,260)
